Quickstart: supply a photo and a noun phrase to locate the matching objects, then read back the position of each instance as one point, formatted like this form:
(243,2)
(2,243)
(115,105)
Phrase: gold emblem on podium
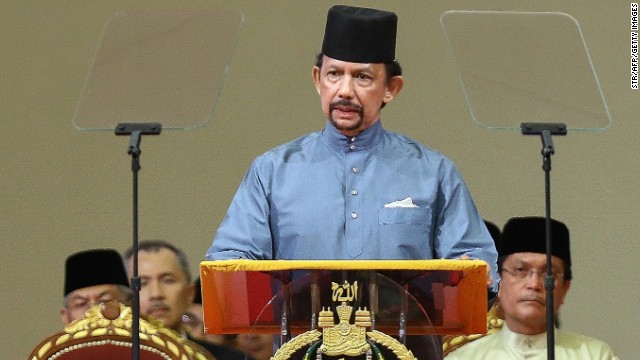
(343,338)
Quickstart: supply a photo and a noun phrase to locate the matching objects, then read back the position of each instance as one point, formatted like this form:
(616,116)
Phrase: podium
(342,307)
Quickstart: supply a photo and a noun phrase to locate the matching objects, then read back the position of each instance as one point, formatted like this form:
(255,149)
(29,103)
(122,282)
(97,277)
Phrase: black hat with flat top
(360,35)
(528,234)
(494,231)
(94,267)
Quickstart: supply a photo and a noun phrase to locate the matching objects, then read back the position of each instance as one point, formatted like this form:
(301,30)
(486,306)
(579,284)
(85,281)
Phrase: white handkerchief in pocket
(405,203)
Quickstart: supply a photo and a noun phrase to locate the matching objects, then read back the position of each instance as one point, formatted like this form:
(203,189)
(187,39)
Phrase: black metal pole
(136,130)
(546,131)
(134,151)
(135,279)
(547,151)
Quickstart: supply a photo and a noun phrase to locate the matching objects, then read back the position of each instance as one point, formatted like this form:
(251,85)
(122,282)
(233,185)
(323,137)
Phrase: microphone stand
(546,131)
(136,130)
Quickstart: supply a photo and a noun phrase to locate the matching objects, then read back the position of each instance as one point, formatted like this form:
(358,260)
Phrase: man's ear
(315,73)
(393,88)
(565,286)
(192,292)
(64,316)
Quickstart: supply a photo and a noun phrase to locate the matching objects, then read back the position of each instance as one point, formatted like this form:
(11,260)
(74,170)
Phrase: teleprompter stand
(163,65)
(504,90)
(546,131)
(135,131)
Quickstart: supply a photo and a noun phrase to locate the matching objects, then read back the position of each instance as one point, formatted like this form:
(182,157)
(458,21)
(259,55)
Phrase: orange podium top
(443,297)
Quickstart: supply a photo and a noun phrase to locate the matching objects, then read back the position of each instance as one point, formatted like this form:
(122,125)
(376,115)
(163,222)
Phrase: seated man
(92,277)
(521,297)
(167,292)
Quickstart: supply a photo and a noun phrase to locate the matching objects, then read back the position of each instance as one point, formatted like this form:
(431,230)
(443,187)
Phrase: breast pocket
(406,232)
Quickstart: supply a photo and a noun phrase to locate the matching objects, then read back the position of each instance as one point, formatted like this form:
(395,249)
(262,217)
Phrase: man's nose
(155,290)
(345,90)
(535,278)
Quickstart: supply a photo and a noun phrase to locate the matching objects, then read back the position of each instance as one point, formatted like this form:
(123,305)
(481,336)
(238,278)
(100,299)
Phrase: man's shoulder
(408,141)
(299,141)
(291,145)
(577,338)
(473,349)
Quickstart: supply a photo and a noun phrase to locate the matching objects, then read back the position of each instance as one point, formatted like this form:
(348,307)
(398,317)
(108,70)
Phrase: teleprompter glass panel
(517,67)
(158,66)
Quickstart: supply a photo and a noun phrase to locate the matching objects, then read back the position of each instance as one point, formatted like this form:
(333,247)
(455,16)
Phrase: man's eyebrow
(106,292)
(77,297)
(517,261)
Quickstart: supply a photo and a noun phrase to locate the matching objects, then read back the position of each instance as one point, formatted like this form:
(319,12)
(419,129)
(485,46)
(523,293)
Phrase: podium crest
(343,338)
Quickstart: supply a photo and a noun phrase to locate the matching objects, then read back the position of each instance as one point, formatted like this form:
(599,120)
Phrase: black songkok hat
(494,231)
(94,267)
(360,35)
(528,234)
(197,299)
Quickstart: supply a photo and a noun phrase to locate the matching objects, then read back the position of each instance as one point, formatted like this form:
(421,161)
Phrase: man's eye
(106,298)
(521,270)
(79,305)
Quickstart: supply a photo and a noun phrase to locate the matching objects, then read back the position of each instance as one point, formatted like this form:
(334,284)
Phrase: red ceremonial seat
(105,334)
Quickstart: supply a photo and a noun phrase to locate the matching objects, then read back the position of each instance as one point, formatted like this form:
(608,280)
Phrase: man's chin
(532,312)
(159,315)
(346,125)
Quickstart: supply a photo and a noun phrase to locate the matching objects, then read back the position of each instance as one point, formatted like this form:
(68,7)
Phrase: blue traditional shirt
(376,195)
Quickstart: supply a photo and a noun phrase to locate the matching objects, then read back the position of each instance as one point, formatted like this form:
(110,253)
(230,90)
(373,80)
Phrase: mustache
(158,306)
(345,103)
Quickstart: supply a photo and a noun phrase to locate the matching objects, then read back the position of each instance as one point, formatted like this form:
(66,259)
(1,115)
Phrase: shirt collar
(363,141)
(523,342)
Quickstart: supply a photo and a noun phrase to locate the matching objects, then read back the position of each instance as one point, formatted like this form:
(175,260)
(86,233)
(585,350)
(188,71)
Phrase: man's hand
(489,278)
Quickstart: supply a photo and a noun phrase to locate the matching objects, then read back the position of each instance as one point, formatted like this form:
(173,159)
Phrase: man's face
(165,293)
(79,301)
(351,94)
(523,299)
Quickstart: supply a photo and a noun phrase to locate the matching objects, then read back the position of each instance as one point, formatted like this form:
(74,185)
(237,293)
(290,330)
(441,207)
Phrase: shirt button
(353,139)
(354,215)
(529,343)
(354,192)
(352,147)
(355,170)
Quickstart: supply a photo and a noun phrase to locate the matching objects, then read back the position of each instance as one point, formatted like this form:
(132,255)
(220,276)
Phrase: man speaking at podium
(354,190)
